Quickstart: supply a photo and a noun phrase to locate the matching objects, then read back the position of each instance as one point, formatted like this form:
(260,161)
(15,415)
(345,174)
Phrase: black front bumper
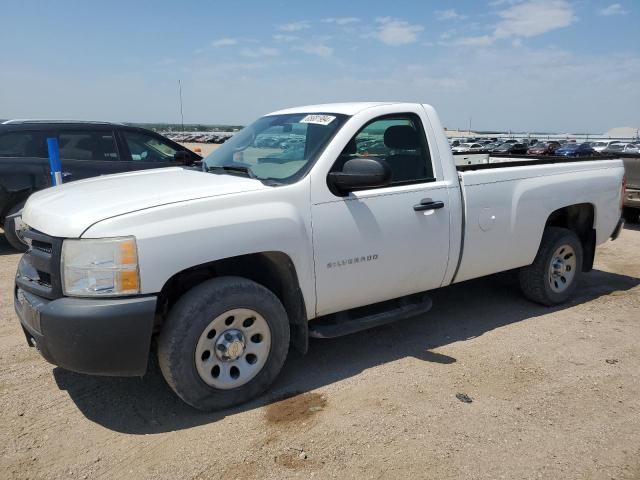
(98,337)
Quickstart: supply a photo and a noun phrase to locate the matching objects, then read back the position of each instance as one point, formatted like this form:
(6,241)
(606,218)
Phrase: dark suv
(87,149)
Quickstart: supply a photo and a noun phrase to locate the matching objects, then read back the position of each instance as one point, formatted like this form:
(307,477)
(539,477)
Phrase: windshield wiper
(232,169)
(244,171)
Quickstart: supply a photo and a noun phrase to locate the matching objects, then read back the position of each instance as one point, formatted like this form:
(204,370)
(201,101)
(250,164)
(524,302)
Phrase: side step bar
(345,324)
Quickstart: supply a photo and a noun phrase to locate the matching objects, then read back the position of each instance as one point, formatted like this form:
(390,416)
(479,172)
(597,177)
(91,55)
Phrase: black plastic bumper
(618,229)
(98,337)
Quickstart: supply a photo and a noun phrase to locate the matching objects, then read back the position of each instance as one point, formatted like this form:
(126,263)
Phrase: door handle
(428,204)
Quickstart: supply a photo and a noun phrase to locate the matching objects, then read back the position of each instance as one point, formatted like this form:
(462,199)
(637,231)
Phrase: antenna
(181,114)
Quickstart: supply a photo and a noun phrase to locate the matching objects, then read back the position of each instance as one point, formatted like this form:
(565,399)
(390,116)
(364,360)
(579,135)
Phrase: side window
(147,148)
(89,145)
(400,141)
(23,144)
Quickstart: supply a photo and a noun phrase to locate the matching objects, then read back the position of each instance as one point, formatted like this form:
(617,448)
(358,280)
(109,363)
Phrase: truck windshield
(276,148)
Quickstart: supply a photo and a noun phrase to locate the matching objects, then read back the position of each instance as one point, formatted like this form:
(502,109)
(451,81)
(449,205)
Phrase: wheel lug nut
(228,337)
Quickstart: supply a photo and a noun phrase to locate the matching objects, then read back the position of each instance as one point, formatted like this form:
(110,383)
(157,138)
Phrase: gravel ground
(203,149)
(554,393)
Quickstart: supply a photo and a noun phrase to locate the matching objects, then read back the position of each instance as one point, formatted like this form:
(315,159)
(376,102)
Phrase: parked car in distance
(490,146)
(621,147)
(600,145)
(87,149)
(543,148)
(510,148)
(467,147)
(576,150)
(632,148)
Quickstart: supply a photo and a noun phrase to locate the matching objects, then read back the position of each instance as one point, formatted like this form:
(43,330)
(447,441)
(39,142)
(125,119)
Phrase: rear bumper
(632,198)
(98,337)
(618,229)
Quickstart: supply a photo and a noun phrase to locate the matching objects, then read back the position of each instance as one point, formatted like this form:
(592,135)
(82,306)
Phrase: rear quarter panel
(507,209)
(632,170)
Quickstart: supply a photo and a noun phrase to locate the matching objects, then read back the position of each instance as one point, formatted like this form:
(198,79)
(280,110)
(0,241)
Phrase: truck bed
(483,161)
(505,209)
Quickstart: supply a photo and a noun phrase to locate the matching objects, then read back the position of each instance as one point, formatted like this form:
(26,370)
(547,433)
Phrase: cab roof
(342,108)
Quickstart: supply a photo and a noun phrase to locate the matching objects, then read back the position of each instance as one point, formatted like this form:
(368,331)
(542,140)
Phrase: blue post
(54,161)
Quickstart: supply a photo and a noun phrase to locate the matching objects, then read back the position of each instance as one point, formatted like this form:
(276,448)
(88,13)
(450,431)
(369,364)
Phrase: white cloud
(294,26)
(528,19)
(395,32)
(283,38)
(166,61)
(499,3)
(479,41)
(613,9)
(260,52)
(341,20)
(449,14)
(224,42)
(534,18)
(316,49)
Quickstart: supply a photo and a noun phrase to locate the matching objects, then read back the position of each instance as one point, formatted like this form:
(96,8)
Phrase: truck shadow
(146,405)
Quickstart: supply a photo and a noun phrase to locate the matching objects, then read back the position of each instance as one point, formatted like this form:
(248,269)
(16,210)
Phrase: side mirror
(184,157)
(360,173)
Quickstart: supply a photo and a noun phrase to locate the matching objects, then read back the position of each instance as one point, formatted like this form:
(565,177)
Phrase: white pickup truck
(291,228)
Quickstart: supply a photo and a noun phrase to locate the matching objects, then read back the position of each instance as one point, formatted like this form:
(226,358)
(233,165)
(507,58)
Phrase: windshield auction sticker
(318,119)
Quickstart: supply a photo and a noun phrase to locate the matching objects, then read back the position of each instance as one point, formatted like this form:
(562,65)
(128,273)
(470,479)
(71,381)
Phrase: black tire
(186,322)
(631,215)
(10,230)
(535,278)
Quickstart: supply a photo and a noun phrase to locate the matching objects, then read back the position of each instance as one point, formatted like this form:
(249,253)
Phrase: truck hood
(68,210)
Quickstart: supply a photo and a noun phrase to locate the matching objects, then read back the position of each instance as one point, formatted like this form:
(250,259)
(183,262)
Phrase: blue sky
(554,65)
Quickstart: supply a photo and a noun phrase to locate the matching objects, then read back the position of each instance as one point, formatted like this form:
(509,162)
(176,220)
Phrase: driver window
(398,140)
(145,148)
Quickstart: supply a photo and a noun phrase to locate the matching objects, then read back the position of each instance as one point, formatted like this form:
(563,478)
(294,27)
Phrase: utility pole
(469,126)
(181,114)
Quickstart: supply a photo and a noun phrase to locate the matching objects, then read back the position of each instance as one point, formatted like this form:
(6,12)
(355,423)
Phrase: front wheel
(223,343)
(554,274)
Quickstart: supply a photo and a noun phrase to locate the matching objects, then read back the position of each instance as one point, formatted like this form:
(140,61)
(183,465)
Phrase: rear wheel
(223,343)
(13,228)
(554,274)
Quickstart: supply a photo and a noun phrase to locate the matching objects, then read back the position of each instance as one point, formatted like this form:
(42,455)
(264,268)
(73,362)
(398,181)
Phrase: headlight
(105,267)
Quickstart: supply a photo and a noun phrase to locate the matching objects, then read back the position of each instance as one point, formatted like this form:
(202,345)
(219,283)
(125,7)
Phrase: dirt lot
(555,394)
(203,149)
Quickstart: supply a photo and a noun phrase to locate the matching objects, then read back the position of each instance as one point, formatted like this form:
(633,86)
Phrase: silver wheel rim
(562,269)
(233,348)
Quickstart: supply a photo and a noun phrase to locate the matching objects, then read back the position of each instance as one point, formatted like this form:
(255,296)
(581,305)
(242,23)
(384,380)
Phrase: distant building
(622,132)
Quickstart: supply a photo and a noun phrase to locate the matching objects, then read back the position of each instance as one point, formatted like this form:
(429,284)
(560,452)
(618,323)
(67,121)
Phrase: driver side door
(378,244)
